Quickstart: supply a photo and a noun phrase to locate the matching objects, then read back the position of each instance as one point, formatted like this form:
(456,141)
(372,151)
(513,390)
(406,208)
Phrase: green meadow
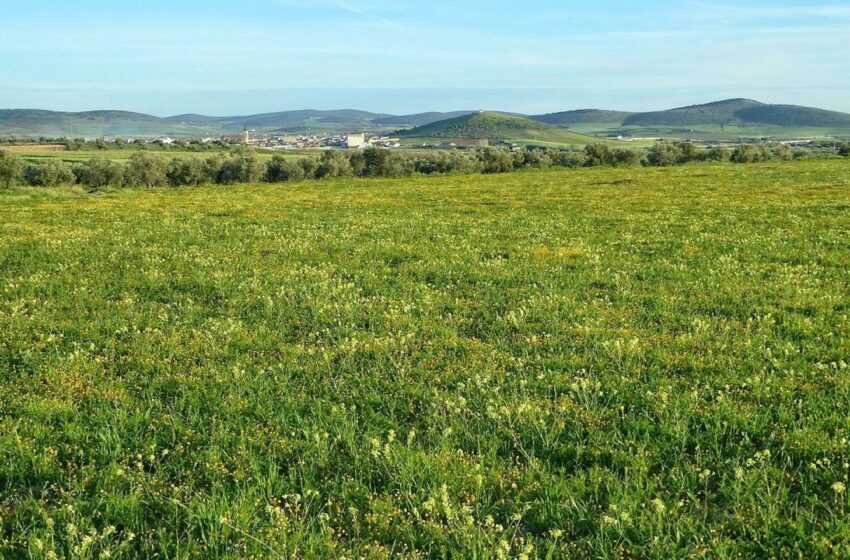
(596,363)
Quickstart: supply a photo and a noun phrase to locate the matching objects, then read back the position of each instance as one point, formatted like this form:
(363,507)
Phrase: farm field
(599,363)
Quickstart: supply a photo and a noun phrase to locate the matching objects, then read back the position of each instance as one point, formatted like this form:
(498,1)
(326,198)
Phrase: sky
(237,57)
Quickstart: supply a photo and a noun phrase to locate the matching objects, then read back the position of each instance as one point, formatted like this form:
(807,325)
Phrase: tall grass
(605,363)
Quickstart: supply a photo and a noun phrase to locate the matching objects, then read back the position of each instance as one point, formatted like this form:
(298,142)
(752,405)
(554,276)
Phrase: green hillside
(717,113)
(792,116)
(289,121)
(419,119)
(496,127)
(33,122)
(583,116)
(731,119)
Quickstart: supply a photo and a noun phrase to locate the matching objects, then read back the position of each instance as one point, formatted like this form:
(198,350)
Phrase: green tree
(281,169)
(241,167)
(569,158)
(98,173)
(666,153)
(51,173)
(185,172)
(597,154)
(382,163)
(715,153)
(747,153)
(495,160)
(145,170)
(783,152)
(333,163)
(10,169)
(624,157)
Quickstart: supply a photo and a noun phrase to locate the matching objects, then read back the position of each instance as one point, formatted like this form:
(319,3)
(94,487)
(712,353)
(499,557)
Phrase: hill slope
(583,116)
(496,127)
(741,112)
(420,119)
(34,122)
(288,121)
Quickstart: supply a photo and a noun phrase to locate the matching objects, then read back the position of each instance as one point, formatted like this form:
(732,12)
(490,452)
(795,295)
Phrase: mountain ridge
(736,112)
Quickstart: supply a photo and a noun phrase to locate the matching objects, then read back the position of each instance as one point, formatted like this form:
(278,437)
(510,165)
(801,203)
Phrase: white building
(355,140)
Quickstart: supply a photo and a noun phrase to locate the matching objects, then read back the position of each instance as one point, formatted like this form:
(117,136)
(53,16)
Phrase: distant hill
(289,121)
(496,127)
(727,119)
(583,116)
(34,122)
(792,116)
(419,119)
(740,112)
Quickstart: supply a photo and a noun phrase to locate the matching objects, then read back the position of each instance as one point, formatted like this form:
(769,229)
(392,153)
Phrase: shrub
(281,169)
(188,171)
(569,158)
(10,169)
(49,174)
(597,154)
(666,153)
(782,152)
(333,163)
(495,160)
(145,170)
(626,157)
(747,153)
(98,173)
(844,149)
(535,158)
(382,163)
(241,167)
(715,153)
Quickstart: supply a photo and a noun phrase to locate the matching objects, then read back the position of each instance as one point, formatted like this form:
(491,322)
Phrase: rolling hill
(288,121)
(728,119)
(419,119)
(496,127)
(34,122)
(583,116)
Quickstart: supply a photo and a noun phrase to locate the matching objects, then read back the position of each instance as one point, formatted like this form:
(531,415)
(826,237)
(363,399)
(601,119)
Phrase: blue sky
(247,56)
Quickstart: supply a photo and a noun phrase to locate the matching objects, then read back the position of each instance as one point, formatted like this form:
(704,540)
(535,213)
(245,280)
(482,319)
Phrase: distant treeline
(243,166)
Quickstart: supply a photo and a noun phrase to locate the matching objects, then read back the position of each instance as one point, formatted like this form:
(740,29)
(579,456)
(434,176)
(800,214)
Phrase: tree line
(241,165)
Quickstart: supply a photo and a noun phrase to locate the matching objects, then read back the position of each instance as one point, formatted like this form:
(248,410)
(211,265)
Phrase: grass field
(603,363)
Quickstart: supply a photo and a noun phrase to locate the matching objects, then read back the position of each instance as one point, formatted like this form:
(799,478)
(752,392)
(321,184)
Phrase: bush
(597,155)
(281,169)
(382,163)
(145,170)
(10,169)
(241,167)
(495,160)
(49,174)
(182,172)
(715,153)
(747,153)
(333,163)
(844,150)
(623,157)
(456,162)
(569,158)
(98,173)
(534,158)
(782,152)
(666,153)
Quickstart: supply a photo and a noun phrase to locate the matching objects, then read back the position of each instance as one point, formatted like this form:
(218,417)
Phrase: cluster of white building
(298,142)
